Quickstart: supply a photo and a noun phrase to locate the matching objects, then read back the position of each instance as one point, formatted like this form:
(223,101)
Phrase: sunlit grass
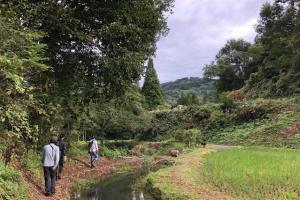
(255,173)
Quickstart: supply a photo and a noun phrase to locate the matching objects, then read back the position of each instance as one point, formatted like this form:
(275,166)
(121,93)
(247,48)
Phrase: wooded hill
(202,87)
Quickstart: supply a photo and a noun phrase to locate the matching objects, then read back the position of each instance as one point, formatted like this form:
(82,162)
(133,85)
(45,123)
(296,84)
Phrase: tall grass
(255,173)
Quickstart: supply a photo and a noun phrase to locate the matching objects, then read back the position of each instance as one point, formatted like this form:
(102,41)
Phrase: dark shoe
(47,194)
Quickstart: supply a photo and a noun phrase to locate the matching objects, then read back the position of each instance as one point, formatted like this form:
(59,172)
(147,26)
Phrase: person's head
(53,139)
(93,137)
(62,137)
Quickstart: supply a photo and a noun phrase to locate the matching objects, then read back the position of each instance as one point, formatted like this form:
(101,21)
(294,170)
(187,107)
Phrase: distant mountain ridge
(200,86)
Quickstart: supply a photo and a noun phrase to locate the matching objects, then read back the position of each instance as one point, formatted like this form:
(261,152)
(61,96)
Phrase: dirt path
(74,170)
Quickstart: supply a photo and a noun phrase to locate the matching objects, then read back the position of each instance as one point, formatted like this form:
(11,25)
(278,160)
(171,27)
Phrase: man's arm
(56,159)
(97,149)
(43,155)
(65,148)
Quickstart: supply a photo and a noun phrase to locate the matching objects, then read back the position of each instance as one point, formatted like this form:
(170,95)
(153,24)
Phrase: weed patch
(11,184)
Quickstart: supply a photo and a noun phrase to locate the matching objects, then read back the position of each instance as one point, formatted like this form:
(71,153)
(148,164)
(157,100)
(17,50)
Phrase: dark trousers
(50,179)
(94,157)
(60,165)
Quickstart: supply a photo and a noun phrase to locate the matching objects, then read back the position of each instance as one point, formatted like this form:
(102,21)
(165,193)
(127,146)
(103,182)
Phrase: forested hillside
(204,88)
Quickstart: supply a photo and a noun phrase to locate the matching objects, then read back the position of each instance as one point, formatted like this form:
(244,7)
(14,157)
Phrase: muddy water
(118,187)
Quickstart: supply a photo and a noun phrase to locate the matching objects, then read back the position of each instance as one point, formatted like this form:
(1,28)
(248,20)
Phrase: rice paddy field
(254,173)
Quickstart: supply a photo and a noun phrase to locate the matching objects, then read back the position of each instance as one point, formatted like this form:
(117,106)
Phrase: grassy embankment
(181,181)
(281,128)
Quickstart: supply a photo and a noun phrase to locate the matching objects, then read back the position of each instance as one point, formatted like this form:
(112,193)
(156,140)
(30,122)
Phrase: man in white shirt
(50,160)
(93,150)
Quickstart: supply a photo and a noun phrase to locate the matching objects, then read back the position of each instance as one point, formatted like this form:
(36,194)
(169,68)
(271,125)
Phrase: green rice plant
(254,173)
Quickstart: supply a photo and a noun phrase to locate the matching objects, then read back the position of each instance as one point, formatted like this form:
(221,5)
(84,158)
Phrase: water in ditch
(118,187)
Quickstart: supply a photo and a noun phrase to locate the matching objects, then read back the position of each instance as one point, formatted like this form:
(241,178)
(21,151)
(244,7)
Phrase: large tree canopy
(231,67)
(96,48)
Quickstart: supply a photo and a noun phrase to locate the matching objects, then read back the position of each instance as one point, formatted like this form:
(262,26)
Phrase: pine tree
(151,88)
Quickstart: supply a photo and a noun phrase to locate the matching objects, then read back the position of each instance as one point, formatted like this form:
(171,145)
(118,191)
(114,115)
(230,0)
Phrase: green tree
(187,99)
(151,88)
(231,67)
(96,49)
(278,33)
(21,63)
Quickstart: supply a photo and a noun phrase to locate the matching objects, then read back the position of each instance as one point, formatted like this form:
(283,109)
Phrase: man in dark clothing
(63,150)
(50,160)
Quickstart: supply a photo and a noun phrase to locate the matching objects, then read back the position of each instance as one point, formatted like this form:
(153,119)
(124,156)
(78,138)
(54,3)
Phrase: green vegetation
(181,182)
(72,67)
(32,162)
(151,88)
(54,78)
(188,99)
(270,66)
(204,89)
(189,137)
(238,173)
(254,173)
(80,148)
(232,66)
(21,62)
(12,185)
(280,128)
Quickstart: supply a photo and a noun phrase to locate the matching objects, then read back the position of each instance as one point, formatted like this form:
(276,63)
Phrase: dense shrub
(11,184)
(189,137)
(247,113)
(237,95)
(112,153)
(124,144)
(208,118)
(219,119)
(227,102)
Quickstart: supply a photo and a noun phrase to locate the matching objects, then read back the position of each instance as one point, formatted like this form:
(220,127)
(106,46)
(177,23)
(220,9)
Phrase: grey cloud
(198,29)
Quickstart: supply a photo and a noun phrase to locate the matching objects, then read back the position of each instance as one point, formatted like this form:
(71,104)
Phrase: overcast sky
(198,29)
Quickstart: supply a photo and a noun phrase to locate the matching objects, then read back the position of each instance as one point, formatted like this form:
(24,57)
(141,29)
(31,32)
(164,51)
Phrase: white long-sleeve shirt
(50,156)
(94,146)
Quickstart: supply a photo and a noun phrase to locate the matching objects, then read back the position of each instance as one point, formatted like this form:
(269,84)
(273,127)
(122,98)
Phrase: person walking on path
(63,150)
(50,160)
(93,150)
